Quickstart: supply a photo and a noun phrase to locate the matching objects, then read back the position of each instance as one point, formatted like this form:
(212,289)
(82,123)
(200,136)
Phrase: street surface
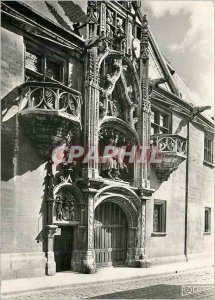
(194,284)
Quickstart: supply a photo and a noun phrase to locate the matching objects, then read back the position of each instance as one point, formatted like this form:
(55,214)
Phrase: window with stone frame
(207,219)
(41,66)
(208,149)
(159,216)
(160,121)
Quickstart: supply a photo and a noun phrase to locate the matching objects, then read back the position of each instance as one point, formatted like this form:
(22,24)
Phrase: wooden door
(63,248)
(110,235)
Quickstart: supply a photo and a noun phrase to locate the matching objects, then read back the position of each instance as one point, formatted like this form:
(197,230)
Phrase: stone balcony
(171,151)
(48,113)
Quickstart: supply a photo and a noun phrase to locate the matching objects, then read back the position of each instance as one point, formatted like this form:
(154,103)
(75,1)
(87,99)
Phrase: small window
(41,67)
(53,69)
(160,122)
(207,224)
(159,217)
(208,149)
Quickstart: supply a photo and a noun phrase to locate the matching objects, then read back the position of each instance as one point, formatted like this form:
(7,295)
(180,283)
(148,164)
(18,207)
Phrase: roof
(63,13)
(162,68)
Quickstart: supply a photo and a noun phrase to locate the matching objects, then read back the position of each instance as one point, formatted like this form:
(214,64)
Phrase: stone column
(130,260)
(91,113)
(83,258)
(89,265)
(144,123)
(50,264)
(142,258)
(50,228)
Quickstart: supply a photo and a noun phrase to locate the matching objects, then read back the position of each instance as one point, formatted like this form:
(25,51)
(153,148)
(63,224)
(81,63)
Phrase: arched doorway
(110,235)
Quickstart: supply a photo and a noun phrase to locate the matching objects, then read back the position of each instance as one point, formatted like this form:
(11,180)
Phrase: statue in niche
(113,166)
(130,91)
(110,81)
(113,108)
(65,207)
(109,163)
(102,109)
(109,32)
(72,210)
(120,36)
(58,206)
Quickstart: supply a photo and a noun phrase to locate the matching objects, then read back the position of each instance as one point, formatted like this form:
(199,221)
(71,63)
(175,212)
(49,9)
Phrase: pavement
(71,279)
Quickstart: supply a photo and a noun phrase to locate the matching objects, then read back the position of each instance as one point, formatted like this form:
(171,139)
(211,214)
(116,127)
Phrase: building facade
(73,83)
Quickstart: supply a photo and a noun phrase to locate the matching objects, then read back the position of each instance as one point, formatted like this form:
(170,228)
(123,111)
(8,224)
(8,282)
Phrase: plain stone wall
(12,59)
(173,192)
(23,173)
(201,194)
(201,186)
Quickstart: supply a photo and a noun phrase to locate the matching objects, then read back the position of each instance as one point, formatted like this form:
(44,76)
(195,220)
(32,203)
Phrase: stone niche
(66,206)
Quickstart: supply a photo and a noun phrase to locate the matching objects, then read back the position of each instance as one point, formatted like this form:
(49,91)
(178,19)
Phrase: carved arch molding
(125,198)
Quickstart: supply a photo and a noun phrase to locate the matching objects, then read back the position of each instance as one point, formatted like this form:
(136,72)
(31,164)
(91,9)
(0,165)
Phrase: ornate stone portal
(116,112)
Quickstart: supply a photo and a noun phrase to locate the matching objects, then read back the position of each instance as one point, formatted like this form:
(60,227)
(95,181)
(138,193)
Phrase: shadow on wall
(18,154)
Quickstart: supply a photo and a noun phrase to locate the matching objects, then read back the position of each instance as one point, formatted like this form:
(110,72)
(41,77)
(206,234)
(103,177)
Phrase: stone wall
(201,194)
(201,184)
(23,173)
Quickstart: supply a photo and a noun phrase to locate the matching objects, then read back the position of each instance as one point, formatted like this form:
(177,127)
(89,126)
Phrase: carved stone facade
(102,97)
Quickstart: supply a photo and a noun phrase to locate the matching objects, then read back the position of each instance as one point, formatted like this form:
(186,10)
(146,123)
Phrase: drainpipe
(186,190)
(195,112)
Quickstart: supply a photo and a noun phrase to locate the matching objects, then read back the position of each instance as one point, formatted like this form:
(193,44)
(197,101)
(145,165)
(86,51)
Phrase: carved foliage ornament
(144,50)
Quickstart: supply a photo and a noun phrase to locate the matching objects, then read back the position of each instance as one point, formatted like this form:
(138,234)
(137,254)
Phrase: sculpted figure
(109,163)
(72,210)
(113,166)
(59,205)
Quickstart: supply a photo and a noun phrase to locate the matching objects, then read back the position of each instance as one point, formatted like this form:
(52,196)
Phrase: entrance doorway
(63,249)
(110,235)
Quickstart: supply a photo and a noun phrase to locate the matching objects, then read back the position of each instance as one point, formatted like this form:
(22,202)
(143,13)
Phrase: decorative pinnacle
(144,21)
(92,14)
(144,39)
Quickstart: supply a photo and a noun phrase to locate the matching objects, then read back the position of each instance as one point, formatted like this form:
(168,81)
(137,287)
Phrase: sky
(184,31)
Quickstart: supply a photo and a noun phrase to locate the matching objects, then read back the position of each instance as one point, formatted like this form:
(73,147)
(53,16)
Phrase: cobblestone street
(174,286)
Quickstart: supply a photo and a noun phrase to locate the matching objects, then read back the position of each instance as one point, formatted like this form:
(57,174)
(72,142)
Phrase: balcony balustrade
(171,152)
(49,112)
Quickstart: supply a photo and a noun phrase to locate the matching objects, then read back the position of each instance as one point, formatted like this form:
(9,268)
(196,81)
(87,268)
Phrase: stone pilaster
(89,265)
(50,228)
(50,264)
(144,262)
(144,125)
(83,259)
(91,112)
(131,253)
